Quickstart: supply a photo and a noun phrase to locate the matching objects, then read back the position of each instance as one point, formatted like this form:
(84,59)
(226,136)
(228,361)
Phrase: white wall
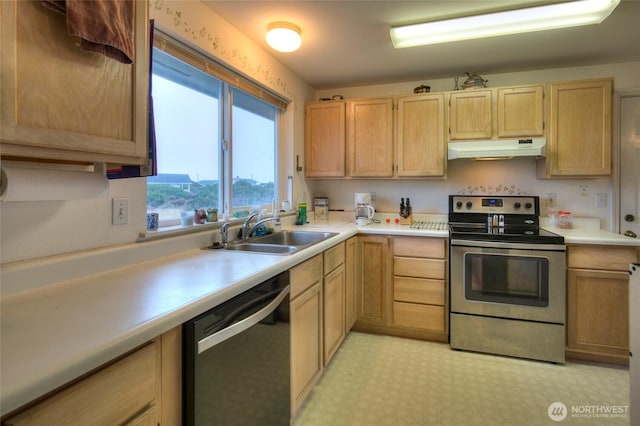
(500,177)
(35,229)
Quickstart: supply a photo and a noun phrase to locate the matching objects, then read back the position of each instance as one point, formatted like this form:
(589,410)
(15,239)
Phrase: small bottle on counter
(565,221)
(301,217)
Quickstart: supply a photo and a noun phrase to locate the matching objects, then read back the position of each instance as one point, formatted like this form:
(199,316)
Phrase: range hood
(497,149)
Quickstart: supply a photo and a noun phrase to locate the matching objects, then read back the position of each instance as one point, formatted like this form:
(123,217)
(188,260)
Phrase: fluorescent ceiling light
(561,15)
(283,36)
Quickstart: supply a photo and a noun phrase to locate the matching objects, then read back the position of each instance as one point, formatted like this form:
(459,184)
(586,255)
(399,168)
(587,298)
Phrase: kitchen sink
(294,238)
(282,243)
(262,248)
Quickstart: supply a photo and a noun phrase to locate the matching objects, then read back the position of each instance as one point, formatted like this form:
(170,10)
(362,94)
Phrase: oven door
(508,280)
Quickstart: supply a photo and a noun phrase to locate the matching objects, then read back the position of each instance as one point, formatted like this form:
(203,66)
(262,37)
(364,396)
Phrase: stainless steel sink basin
(262,248)
(282,243)
(294,238)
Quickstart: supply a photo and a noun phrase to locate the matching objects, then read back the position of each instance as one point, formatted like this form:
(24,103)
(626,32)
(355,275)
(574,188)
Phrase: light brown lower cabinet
(403,294)
(350,283)
(372,283)
(598,302)
(333,301)
(306,328)
(125,392)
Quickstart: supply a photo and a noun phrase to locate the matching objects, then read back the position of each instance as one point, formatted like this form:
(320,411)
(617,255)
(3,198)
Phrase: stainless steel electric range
(507,278)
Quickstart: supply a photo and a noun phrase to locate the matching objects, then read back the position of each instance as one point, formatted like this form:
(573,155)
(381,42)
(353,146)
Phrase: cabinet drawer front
(420,247)
(608,258)
(414,315)
(420,268)
(304,275)
(112,395)
(418,290)
(333,258)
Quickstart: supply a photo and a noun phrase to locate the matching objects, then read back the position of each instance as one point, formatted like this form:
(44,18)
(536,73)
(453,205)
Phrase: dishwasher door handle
(237,328)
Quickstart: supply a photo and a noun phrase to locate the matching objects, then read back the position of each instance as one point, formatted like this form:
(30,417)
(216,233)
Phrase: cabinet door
(373,280)
(370,137)
(59,102)
(324,139)
(333,324)
(520,111)
(470,114)
(306,343)
(421,143)
(598,315)
(350,283)
(579,141)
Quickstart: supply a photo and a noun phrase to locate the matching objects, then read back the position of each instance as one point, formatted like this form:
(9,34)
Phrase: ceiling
(346,43)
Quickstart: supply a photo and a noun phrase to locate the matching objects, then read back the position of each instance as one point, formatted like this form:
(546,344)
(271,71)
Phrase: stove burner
(476,218)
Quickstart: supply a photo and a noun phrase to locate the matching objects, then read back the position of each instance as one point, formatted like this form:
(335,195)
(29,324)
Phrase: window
(216,143)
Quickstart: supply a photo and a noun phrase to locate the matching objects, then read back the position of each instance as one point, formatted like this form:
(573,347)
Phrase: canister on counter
(321,208)
(301,216)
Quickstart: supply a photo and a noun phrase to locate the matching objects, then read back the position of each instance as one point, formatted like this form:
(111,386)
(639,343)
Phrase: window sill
(172,231)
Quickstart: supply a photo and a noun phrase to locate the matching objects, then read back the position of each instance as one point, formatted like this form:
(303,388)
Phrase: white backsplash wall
(511,177)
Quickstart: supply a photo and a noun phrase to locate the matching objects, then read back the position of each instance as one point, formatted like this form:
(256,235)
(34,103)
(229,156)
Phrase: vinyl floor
(390,381)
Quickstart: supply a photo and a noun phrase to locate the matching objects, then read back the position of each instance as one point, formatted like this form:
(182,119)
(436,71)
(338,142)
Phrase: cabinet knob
(629,218)
(630,234)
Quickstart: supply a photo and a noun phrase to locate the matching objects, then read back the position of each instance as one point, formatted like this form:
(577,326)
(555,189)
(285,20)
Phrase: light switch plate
(120,211)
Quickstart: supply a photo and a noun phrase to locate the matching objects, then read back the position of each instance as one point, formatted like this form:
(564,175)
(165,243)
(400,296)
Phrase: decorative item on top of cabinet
(597,302)
(59,102)
(421,142)
(580,120)
(502,112)
(324,139)
(370,137)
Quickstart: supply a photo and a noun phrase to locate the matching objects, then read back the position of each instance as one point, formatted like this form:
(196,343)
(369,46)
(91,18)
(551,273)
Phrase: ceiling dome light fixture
(283,36)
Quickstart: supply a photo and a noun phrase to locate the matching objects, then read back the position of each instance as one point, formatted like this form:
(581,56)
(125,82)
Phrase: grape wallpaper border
(491,190)
(231,56)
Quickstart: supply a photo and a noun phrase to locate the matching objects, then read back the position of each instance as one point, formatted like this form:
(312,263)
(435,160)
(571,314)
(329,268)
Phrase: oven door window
(519,280)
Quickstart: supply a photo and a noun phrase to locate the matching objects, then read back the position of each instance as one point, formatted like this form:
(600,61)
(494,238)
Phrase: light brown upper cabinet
(421,142)
(579,139)
(59,102)
(504,112)
(370,137)
(324,139)
(470,114)
(520,111)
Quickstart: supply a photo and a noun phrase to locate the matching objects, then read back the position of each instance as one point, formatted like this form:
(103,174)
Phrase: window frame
(230,80)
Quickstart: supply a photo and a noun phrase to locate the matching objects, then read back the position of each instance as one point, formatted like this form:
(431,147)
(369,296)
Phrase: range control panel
(505,204)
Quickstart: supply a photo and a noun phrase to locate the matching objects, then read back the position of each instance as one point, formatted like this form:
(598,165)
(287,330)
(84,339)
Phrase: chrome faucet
(224,231)
(247,229)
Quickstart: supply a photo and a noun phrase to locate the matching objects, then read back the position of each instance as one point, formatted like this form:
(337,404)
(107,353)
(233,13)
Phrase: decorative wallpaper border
(491,190)
(232,56)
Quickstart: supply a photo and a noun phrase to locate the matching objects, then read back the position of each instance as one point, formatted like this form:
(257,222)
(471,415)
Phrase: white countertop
(51,334)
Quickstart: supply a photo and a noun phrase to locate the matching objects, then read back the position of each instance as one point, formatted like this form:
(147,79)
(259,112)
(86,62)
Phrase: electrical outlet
(120,211)
(584,190)
(601,201)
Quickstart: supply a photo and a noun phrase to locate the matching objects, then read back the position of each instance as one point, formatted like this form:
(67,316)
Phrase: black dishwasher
(236,366)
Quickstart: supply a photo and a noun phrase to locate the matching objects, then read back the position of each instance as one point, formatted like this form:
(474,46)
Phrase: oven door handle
(509,245)
(237,328)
